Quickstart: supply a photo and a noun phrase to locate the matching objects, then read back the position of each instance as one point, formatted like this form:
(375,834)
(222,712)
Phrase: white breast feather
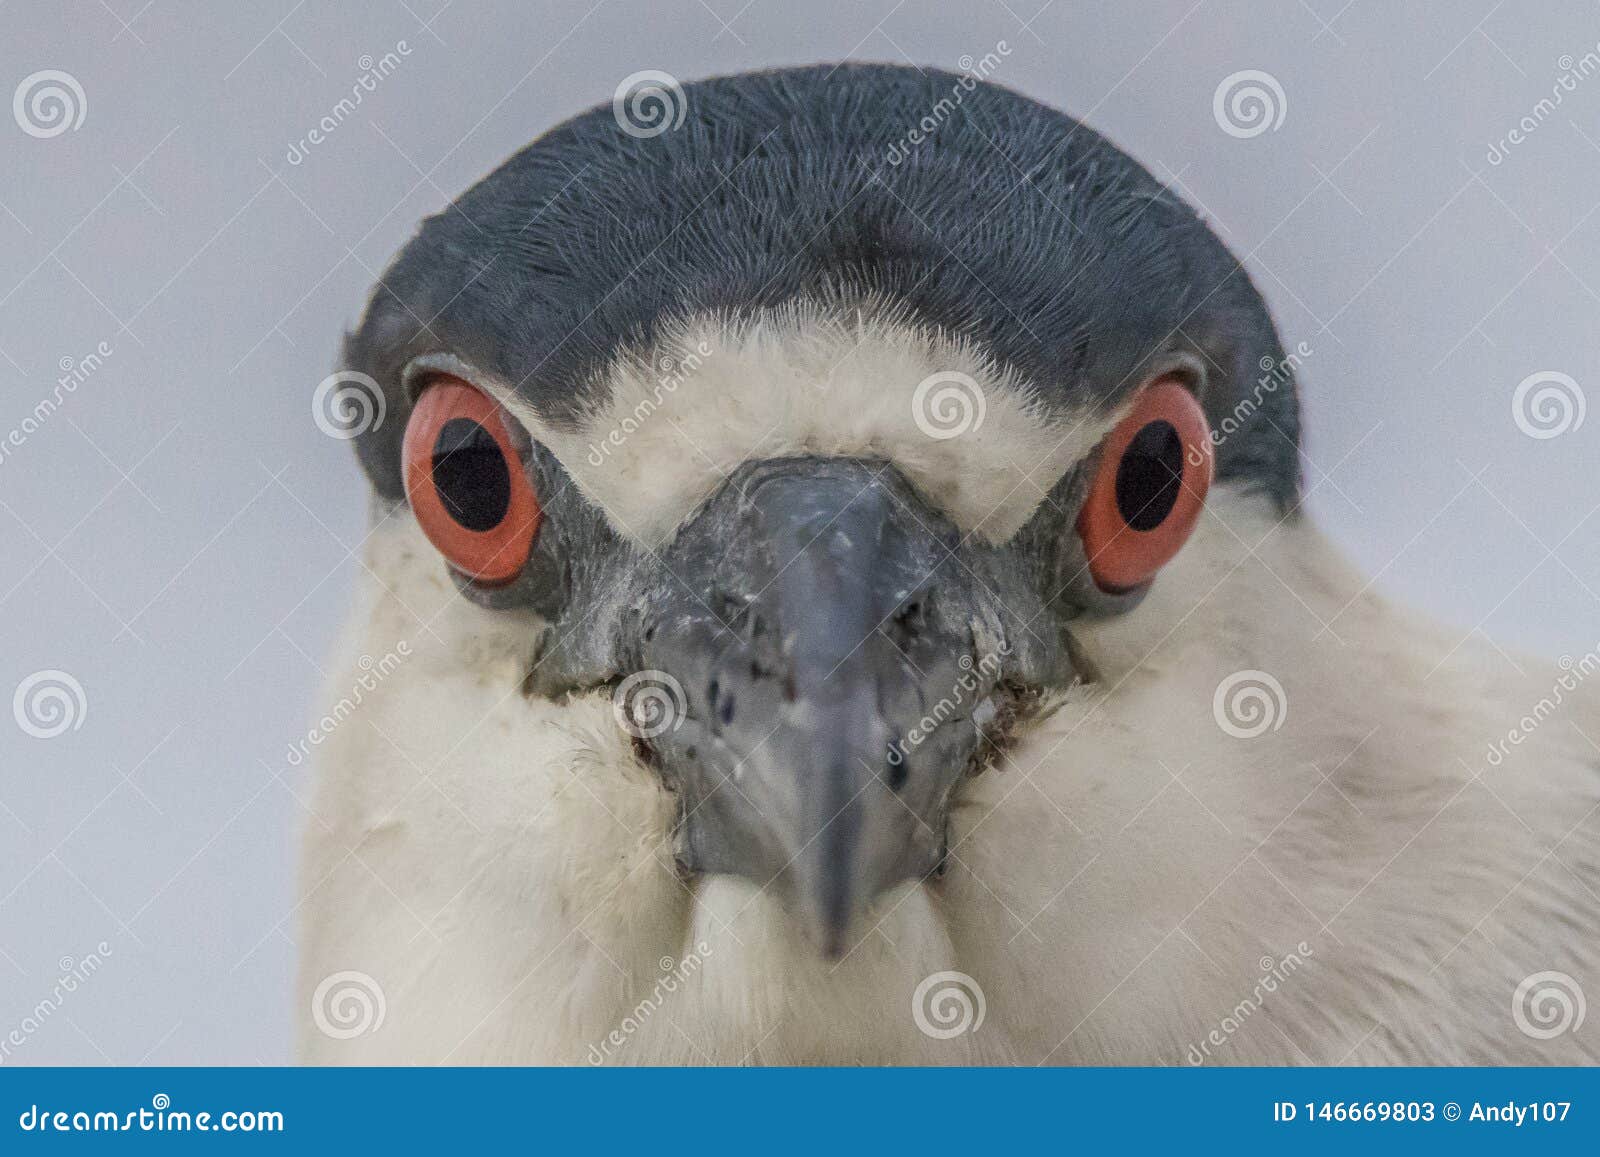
(1119,887)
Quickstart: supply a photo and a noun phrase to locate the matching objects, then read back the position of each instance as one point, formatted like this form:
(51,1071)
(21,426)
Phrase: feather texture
(1365,881)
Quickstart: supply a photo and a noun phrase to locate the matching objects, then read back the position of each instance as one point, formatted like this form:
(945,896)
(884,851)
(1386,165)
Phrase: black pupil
(471,475)
(1149,475)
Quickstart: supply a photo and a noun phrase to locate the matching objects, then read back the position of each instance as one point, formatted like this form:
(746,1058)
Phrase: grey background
(181,538)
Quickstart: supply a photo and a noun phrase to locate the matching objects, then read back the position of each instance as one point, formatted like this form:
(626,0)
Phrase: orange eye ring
(1149,487)
(466,483)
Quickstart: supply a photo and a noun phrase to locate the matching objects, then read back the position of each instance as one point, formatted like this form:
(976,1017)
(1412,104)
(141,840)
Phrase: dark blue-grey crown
(1009,223)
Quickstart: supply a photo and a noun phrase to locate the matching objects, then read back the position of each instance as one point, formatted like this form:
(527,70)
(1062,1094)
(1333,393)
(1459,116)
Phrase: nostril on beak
(721,700)
(898,772)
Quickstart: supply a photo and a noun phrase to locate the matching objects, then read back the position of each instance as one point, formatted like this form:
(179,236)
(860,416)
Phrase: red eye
(1154,471)
(466,483)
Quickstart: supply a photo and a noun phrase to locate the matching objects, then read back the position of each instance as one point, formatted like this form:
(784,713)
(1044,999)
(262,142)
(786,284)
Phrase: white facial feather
(1131,883)
(803,380)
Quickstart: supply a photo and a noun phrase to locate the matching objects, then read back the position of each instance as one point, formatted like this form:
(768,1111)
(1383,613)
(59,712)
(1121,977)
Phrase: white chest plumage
(1153,874)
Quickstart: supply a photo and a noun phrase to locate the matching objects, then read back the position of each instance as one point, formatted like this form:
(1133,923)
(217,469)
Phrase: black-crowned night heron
(839,594)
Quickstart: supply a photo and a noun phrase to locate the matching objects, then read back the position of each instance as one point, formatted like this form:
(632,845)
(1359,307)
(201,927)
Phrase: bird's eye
(466,483)
(1148,489)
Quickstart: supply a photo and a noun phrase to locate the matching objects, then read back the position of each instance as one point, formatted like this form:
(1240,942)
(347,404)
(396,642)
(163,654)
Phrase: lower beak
(835,665)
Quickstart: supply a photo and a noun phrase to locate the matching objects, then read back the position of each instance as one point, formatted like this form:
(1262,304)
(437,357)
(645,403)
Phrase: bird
(839,591)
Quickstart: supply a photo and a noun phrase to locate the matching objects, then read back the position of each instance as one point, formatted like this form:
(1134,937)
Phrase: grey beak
(836,666)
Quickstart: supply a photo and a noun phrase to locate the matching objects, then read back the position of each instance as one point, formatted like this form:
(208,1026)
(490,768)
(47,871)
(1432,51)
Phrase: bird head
(817,454)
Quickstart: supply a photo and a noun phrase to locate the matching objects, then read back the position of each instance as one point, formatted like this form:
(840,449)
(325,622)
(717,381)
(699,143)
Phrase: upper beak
(837,664)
